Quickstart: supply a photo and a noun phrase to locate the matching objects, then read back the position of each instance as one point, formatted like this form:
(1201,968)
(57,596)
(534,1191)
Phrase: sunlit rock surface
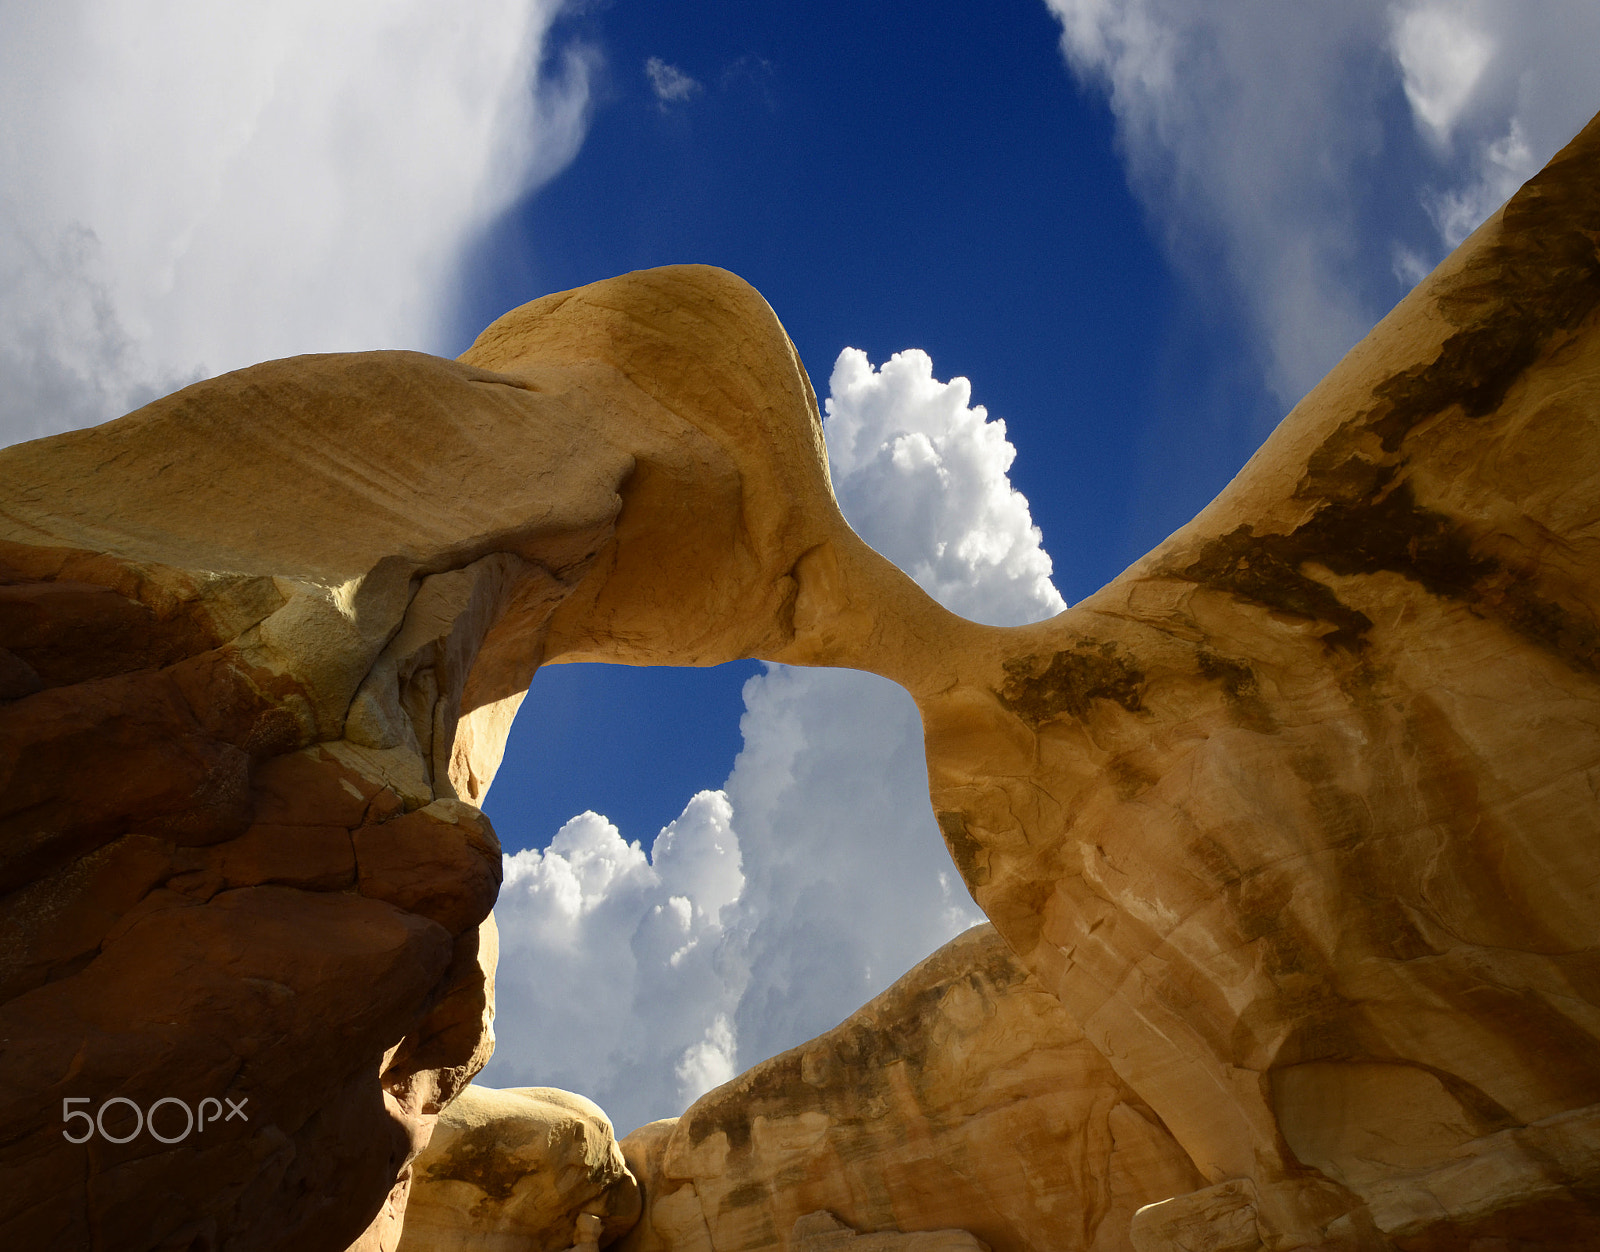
(517,1171)
(1298,820)
(962,1097)
(260,644)
(1298,817)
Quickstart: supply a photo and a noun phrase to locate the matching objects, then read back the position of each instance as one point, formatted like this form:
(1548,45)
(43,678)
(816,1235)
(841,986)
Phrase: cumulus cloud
(1274,164)
(706,1064)
(922,473)
(670,84)
(610,983)
(820,854)
(850,883)
(192,187)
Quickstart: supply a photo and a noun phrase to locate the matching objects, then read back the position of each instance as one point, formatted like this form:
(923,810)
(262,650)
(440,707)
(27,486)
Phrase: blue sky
(1138,229)
(844,161)
(889,176)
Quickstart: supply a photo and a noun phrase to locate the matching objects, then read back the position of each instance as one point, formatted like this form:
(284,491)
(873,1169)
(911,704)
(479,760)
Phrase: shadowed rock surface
(260,643)
(823,1232)
(1298,819)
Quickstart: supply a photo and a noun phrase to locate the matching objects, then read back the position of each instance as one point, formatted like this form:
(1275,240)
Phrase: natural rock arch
(1297,815)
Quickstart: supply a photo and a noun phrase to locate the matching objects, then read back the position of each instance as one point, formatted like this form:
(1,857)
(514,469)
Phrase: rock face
(962,1097)
(1297,819)
(822,1232)
(1298,816)
(518,1171)
(260,644)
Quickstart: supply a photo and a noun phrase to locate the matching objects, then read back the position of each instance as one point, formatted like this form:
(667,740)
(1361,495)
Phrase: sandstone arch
(1296,816)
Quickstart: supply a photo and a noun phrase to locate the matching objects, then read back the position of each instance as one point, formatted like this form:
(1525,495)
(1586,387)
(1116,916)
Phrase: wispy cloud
(193,188)
(1442,55)
(671,85)
(1499,167)
(1273,161)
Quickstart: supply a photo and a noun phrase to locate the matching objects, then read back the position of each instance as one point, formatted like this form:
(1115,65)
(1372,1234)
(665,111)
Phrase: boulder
(528,1169)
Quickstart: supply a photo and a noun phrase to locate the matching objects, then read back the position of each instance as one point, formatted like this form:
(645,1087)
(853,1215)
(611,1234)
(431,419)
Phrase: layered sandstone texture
(1297,820)
(823,1232)
(529,1169)
(260,644)
(961,1098)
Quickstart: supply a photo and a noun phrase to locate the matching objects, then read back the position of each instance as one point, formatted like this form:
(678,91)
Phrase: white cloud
(706,1064)
(922,475)
(1442,54)
(1501,166)
(609,982)
(1407,265)
(1271,161)
(850,883)
(670,84)
(772,910)
(187,187)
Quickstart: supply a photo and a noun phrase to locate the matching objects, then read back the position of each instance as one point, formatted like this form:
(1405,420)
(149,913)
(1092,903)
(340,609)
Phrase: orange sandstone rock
(961,1098)
(1296,819)
(260,644)
(526,1169)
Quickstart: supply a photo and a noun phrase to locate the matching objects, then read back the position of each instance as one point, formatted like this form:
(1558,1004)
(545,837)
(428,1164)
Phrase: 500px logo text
(194,1120)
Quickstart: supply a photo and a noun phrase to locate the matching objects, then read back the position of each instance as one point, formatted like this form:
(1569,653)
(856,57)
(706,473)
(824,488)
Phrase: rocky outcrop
(962,1097)
(529,1169)
(823,1232)
(260,643)
(1296,819)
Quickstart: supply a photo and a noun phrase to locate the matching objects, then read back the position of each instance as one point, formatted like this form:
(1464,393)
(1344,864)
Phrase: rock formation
(260,644)
(1297,819)
(822,1232)
(530,1169)
(962,1097)
(1298,816)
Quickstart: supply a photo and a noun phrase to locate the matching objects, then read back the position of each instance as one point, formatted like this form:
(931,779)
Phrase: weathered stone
(961,1098)
(823,1232)
(1296,819)
(1215,1219)
(269,971)
(529,1169)
(1297,816)
(267,635)
(442,862)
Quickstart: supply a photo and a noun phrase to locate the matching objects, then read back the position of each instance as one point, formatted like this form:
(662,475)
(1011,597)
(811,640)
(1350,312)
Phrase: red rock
(442,862)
